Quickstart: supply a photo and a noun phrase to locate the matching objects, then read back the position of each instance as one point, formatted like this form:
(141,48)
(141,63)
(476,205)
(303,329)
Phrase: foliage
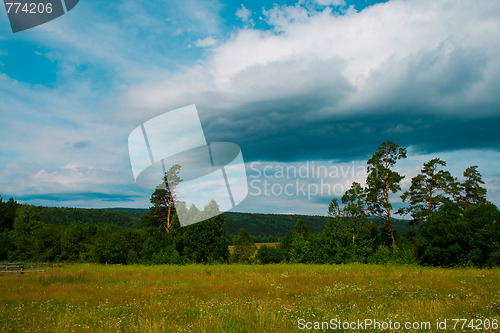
(471,193)
(269,228)
(7,214)
(428,190)
(334,244)
(244,247)
(122,217)
(297,244)
(269,255)
(452,237)
(206,241)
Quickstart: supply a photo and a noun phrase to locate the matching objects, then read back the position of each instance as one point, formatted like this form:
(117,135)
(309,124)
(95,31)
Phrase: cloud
(244,14)
(330,2)
(71,185)
(206,42)
(282,16)
(69,178)
(80,144)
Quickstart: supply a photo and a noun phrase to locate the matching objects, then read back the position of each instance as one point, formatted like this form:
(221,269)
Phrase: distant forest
(264,228)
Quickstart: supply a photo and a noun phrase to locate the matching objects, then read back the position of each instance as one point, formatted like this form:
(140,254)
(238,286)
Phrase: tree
(160,247)
(7,214)
(381,181)
(163,209)
(46,243)
(428,191)
(269,255)
(28,220)
(244,246)
(354,211)
(109,245)
(296,244)
(483,222)
(471,193)
(452,237)
(206,241)
(301,228)
(346,236)
(74,243)
(334,243)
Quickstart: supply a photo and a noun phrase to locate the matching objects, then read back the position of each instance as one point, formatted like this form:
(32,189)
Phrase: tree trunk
(169,211)
(389,218)
(429,203)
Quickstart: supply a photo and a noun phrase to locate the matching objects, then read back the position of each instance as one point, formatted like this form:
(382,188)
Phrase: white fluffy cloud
(443,53)
(244,13)
(206,42)
(331,2)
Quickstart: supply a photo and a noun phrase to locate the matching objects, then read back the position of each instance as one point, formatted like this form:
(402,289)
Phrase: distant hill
(271,227)
(263,227)
(124,217)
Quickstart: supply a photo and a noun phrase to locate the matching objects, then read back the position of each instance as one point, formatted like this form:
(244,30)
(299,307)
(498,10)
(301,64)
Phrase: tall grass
(239,298)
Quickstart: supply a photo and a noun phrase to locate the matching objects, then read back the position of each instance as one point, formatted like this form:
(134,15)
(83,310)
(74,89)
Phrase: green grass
(239,298)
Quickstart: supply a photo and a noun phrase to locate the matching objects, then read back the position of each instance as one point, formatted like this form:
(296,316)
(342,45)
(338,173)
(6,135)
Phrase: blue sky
(295,83)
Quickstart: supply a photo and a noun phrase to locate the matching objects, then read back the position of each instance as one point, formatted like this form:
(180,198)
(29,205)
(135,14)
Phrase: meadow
(244,298)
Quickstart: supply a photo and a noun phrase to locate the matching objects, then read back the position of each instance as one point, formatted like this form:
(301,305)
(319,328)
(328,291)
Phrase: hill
(263,227)
(123,217)
(271,227)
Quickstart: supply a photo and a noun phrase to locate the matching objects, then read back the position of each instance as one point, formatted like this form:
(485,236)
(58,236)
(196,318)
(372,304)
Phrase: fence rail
(18,268)
(46,264)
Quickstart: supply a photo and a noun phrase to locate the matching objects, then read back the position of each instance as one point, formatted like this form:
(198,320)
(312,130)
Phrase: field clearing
(257,246)
(240,298)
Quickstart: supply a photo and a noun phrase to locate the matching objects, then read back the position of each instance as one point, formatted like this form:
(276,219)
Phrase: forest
(450,223)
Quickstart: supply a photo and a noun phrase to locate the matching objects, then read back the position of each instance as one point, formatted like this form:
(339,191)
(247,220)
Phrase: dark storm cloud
(347,138)
(434,100)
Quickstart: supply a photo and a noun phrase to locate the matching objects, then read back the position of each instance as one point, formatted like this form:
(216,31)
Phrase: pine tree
(428,191)
(163,209)
(382,180)
(471,193)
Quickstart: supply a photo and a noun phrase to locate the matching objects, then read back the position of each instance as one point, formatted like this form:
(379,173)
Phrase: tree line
(457,226)
(454,226)
(25,236)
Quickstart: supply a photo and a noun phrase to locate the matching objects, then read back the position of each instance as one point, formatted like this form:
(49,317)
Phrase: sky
(308,89)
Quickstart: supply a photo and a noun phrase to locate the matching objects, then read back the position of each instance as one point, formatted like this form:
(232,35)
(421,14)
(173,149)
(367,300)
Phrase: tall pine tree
(428,191)
(381,181)
(163,210)
(471,192)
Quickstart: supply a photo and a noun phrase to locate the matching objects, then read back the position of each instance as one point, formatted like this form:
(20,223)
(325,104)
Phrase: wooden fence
(20,267)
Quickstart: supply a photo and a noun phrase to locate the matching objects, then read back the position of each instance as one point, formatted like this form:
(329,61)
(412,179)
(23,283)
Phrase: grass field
(239,298)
